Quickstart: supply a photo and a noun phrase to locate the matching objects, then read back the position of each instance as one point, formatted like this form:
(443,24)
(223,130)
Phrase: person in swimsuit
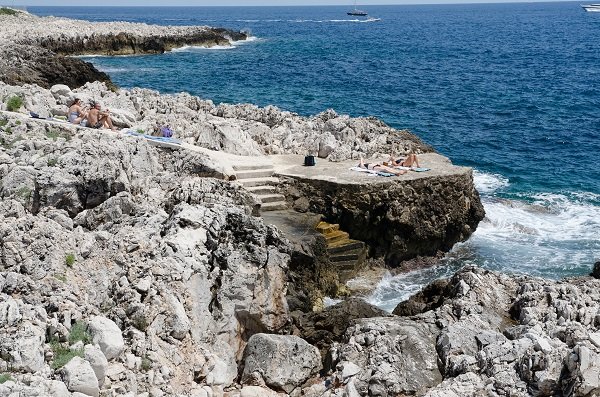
(98,119)
(76,112)
(380,167)
(410,161)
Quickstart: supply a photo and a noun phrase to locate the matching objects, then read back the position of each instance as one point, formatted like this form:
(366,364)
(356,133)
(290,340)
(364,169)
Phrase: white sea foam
(488,183)
(233,44)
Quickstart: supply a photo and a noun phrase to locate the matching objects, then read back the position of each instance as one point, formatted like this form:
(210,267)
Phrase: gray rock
(283,362)
(79,376)
(107,335)
(98,361)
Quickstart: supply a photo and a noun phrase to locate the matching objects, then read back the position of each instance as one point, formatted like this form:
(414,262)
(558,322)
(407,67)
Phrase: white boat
(357,12)
(591,7)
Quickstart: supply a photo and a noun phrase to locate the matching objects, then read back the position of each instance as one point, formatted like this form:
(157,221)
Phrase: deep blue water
(512,90)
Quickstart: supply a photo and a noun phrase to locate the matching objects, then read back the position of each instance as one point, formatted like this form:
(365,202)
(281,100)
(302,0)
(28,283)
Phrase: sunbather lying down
(410,161)
(379,167)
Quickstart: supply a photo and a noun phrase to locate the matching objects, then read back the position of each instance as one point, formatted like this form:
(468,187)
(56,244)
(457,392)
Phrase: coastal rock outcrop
(36,50)
(405,219)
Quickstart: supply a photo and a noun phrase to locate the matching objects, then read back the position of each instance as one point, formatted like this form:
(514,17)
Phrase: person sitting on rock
(77,113)
(97,118)
(380,167)
(410,161)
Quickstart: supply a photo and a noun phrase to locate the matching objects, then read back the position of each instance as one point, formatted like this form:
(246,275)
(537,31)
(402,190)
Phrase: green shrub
(3,122)
(8,130)
(52,162)
(54,135)
(140,131)
(24,193)
(70,260)
(5,378)
(8,11)
(79,333)
(14,103)
(18,122)
(146,364)
(62,354)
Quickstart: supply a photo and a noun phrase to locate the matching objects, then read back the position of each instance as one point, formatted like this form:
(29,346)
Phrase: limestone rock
(107,335)
(283,362)
(98,362)
(79,376)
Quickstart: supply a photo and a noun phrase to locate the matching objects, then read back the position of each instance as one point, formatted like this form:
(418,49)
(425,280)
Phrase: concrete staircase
(259,180)
(344,253)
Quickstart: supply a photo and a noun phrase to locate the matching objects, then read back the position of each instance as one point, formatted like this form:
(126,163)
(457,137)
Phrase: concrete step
(343,246)
(259,181)
(271,198)
(252,167)
(324,227)
(353,255)
(262,190)
(336,235)
(240,175)
(278,205)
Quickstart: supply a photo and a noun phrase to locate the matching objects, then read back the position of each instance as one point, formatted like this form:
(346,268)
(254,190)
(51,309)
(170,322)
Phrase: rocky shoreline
(36,50)
(128,269)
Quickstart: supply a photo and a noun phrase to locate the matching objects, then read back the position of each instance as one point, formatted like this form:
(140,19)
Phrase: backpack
(166,132)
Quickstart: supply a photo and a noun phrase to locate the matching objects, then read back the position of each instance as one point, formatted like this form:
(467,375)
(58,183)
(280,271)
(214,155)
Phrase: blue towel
(381,173)
(421,169)
(154,138)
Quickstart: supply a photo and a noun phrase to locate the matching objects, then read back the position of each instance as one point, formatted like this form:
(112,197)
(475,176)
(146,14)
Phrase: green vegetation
(8,130)
(8,11)
(62,354)
(79,333)
(18,122)
(140,131)
(146,364)
(61,277)
(14,103)
(3,122)
(140,322)
(70,260)
(54,135)
(5,378)
(52,162)
(24,193)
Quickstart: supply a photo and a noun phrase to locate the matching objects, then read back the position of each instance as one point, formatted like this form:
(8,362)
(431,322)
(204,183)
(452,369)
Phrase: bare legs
(106,122)
(410,161)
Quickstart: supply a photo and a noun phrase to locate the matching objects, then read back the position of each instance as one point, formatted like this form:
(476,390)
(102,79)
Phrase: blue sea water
(512,90)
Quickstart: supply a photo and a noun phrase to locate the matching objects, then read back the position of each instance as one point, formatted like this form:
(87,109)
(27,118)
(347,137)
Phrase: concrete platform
(291,165)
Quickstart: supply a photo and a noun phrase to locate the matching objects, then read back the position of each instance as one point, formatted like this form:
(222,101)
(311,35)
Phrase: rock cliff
(37,50)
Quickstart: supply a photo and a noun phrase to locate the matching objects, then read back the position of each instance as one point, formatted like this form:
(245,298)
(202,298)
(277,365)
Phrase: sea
(512,90)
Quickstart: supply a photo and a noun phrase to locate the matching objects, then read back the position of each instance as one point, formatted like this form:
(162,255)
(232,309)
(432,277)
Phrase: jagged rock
(282,362)
(97,360)
(324,328)
(79,376)
(107,335)
(596,270)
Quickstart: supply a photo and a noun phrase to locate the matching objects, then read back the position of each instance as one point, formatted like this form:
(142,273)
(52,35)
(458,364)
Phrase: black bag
(309,161)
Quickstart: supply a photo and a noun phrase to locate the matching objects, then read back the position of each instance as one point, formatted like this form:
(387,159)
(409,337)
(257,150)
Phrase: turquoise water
(512,90)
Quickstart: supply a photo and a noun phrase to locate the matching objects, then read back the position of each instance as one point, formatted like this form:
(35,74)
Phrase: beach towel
(371,172)
(417,169)
(154,138)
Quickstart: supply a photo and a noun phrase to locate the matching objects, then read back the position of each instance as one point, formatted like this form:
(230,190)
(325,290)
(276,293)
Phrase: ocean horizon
(509,89)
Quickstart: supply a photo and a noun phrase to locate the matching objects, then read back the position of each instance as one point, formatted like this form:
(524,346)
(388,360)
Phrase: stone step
(252,167)
(353,255)
(262,190)
(240,175)
(343,246)
(271,198)
(278,205)
(259,181)
(347,266)
(324,227)
(336,235)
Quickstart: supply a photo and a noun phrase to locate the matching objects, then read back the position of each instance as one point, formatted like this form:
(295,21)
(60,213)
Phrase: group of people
(410,161)
(91,116)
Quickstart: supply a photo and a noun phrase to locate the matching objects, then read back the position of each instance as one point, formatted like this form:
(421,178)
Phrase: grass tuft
(79,333)
(62,354)
(8,11)
(70,260)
